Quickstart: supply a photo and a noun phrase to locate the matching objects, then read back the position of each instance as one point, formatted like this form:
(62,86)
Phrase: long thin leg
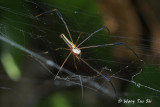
(62,65)
(62,49)
(91,67)
(96,46)
(114,44)
(78,38)
(74,61)
(60,16)
(91,35)
(99,73)
(43,53)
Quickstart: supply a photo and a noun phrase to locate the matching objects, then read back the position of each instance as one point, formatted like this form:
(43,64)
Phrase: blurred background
(27,82)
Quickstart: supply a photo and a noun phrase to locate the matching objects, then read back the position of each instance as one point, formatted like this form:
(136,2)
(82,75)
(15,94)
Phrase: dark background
(134,22)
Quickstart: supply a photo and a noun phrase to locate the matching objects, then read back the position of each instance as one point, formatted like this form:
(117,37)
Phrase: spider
(75,48)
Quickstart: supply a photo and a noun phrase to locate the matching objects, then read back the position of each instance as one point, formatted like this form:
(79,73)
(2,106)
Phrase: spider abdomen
(76,51)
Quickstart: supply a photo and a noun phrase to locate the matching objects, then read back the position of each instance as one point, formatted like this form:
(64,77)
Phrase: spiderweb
(25,39)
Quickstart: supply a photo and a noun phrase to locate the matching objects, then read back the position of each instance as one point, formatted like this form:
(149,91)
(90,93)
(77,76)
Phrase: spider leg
(46,52)
(41,53)
(114,44)
(62,65)
(60,16)
(99,73)
(74,61)
(78,38)
(92,35)
(62,49)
